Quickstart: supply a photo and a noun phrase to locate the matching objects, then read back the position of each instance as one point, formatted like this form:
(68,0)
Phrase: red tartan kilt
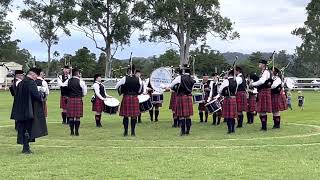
(130,106)
(98,105)
(173,100)
(229,108)
(252,104)
(75,107)
(184,106)
(264,103)
(242,101)
(63,102)
(279,102)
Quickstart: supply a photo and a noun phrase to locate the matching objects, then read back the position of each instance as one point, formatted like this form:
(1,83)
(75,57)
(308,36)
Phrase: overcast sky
(264,25)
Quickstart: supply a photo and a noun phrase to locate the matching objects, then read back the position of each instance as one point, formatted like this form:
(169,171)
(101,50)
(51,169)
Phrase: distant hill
(230,56)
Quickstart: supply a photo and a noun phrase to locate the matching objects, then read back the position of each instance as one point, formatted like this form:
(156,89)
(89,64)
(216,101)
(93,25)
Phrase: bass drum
(289,83)
(160,79)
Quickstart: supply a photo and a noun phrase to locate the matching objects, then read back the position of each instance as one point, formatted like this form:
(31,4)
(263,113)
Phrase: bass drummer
(100,96)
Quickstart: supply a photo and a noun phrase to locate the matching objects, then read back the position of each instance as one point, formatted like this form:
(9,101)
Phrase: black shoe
(77,133)
(72,134)
(156,120)
(182,134)
(125,133)
(133,134)
(27,151)
(229,132)
(188,132)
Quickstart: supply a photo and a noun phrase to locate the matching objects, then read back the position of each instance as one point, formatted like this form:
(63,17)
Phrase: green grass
(158,152)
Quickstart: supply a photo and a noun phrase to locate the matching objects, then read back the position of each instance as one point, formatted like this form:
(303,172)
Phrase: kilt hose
(264,104)
(173,101)
(98,105)
(279,102)
(75,107)
(229,107)
(156,105)
(252,103)
(184,106)
(130,106)
(242,101)
(63,102)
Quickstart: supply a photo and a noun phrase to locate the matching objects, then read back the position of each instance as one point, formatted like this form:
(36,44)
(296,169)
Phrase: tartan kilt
(173,100)
(184,106)
(264,103)
(98,105)
(229,107)
(130,106)
(75,107)
(252,103)
(242,101)
(63,102)
(279,102)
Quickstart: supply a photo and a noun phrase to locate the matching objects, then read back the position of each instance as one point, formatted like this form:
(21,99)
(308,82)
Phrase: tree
(101,65)
(186,20)
(169,58)
(112,21)
(48,18)
(309,51)
(84,60)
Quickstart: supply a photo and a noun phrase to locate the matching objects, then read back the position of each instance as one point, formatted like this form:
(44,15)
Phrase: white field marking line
(207,140)
(170,147)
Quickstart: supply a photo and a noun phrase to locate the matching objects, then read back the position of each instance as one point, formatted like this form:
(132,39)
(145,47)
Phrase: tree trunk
(49,61)
(107,72)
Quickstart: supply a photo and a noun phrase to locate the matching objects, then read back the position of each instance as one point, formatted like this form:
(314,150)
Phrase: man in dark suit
(26,114)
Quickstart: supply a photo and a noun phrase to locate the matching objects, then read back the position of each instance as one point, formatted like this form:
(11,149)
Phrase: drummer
(138,74)
(216,117)
(100,96)
(156,104)
(173,97)
(131,87)
(206,92)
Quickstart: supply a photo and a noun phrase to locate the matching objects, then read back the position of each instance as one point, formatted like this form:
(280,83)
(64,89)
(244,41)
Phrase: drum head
(143,98)
(160,78)
(112,102)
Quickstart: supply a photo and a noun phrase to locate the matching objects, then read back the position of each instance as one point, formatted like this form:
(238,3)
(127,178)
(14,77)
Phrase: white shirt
(224,84)
(239,78)
(123,81)
(211,88)
(44,86)
(82,85)
(18,81)
(176,81)
(96,88)
(145,86)
(276,82)
(265,76)
(62,84)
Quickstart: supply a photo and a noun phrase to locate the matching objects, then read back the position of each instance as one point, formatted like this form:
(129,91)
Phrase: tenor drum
(198,98)
(213,106)
(145,103)
(157,98)
(111,106)
(160,78)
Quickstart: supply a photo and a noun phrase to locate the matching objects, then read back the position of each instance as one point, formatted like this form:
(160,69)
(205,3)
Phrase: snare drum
(157,98)
(198,98)
(144,103)
(213,106)
(111,106)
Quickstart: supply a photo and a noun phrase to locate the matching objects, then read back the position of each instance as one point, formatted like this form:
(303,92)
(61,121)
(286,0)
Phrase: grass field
(158,152)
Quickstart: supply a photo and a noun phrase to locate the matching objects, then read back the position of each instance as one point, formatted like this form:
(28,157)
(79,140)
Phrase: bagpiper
(206,91)
(131,86)
(184,107)
(64,93)
(242,101)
